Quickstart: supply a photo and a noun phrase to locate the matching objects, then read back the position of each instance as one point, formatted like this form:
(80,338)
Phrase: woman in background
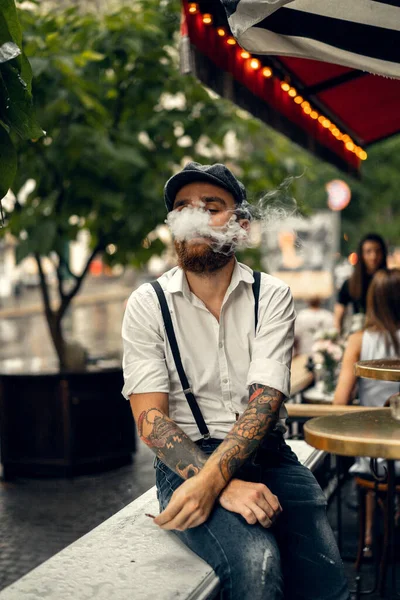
(372,256)
(379,339)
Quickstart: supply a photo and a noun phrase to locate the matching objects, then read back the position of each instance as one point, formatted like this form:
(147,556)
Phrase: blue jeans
(296,559)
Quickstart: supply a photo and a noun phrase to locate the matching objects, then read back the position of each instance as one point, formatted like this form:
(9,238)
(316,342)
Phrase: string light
(267,72)
(255,64)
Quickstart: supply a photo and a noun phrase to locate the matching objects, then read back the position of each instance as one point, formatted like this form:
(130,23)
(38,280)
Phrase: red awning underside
(368,106)
(364,106)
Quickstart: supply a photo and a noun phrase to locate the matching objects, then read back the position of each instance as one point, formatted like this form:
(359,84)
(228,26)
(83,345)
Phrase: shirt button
(224,381)
(220,344)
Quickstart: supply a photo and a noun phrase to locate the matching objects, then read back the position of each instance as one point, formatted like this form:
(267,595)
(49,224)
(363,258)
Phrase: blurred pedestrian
(310,320)
(379,339)
(372,256)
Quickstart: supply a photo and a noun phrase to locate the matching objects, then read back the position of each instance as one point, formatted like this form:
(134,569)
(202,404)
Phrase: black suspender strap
(169,328)
(256,292)
(194,407)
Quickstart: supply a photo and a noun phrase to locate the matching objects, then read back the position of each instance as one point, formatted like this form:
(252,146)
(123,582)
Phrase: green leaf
(8,162)
(10,29)
(91,55)
(11,33)
(16,105)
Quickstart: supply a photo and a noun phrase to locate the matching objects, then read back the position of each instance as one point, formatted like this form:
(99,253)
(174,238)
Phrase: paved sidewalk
(39,517)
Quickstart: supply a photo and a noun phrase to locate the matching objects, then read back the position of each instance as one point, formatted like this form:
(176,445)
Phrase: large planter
(63,424)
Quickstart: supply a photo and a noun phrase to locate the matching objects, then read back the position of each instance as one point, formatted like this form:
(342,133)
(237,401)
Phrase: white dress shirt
(221,359)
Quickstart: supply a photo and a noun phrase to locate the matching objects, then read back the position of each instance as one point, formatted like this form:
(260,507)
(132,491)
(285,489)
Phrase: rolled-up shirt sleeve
(273,344)
(144,363)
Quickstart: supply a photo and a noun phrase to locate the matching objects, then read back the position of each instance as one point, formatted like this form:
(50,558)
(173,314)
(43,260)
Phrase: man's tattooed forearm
(172,446)
(257,420)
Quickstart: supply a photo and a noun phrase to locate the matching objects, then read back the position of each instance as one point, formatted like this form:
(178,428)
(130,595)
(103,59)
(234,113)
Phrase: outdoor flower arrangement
(327,354)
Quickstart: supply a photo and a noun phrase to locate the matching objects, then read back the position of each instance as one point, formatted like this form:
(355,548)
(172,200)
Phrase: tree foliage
(16,107)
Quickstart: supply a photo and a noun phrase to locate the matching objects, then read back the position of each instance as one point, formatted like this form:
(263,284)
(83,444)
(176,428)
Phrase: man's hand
(190,504)
(254,501)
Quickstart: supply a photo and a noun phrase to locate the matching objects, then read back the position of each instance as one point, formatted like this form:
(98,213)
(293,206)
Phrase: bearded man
(207,376)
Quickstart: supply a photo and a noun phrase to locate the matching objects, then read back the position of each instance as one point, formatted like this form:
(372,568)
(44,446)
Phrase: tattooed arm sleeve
(256,422)
(171,445)
(175,449)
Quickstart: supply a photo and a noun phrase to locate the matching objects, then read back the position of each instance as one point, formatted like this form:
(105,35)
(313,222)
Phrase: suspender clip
(188,391)
(206,436)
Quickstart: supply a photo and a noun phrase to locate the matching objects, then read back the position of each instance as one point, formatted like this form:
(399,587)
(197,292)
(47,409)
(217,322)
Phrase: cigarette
(148,515)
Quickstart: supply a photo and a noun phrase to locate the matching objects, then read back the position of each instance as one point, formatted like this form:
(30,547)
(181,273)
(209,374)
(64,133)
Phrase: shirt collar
(178,281)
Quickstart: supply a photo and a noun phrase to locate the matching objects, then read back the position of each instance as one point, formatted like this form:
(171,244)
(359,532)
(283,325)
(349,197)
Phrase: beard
(201,258)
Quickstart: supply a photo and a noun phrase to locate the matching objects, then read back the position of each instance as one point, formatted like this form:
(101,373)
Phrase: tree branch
(43,287)
(79,279)
(60,282)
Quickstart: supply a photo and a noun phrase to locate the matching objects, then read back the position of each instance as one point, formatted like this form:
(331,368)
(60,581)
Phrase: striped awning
(326,73)
(360,34)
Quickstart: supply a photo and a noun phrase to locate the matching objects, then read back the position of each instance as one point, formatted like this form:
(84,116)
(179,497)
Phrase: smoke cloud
(272,211)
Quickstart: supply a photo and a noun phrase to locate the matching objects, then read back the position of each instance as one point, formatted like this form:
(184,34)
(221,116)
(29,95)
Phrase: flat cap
(216,174)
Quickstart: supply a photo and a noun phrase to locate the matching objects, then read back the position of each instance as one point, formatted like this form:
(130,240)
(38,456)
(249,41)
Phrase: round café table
(373,433)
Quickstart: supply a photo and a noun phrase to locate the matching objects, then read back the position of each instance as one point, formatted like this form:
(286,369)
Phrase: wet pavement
(40,517)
